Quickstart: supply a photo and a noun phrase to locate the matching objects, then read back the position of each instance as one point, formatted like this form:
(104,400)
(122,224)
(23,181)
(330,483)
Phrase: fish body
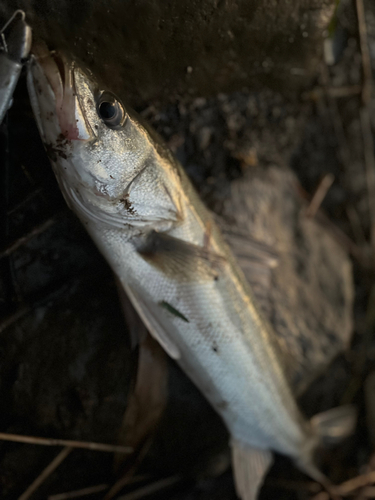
(141,210)
(15,44)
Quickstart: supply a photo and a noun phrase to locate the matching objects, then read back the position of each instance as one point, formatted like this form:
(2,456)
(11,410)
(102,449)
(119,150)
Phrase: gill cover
(105,161)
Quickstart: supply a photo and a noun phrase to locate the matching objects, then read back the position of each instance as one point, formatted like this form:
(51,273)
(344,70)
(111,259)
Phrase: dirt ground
(67,368)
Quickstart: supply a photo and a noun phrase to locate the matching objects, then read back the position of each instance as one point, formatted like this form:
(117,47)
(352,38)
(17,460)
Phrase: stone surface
(308,295)
(157,48)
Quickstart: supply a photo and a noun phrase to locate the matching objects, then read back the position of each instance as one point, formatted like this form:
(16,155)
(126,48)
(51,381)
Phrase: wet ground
(66,366)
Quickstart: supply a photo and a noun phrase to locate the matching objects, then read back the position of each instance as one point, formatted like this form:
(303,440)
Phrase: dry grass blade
(344,91)
(368,492)
(46,472)
(320,194)
(27,237)
(335,92)
(310,486)
(323,495)
(355,223)
(368,145)
(365,116)
(14,317)
(130,470)
(25,200)
(91,490)
(352,485)
(333,109)
(147,402)
(341,238)
(151,488)
(110,448)
(366,59)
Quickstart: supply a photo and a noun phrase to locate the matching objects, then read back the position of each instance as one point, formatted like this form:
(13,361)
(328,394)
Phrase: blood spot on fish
(111,177)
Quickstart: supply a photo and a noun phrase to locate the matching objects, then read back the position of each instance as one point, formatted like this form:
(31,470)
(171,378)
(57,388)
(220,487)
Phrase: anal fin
(250,466)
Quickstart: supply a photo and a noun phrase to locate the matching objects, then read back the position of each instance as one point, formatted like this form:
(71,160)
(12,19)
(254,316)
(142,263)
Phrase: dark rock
(158,48)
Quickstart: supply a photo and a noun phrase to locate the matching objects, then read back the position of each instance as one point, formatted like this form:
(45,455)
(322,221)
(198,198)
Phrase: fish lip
(59,72)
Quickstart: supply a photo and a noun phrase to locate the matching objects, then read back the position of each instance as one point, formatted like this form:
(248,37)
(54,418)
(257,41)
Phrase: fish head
(105,161)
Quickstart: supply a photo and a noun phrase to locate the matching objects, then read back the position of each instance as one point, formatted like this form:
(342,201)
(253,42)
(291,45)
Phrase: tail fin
(250,466)
(329,427)
(334,425)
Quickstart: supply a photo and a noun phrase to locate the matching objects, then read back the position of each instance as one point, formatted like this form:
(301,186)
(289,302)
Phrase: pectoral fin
(250,466)
(137,328)
(150,315)
(181,260)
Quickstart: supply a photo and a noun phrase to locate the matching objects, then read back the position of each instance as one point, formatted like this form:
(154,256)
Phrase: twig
(342,239)
(368,492)
(365,116)
(310,486)
(94,489)
(368,145)
(46,472)
(333,109)
(151,488)
(111,448)
(14,317)
(127,477)
(27,237)
(319,195)
(366,60)
(25,200)
(335,92)
(79,493)
(348,487)
(323,495)
(345,91)
(355,223)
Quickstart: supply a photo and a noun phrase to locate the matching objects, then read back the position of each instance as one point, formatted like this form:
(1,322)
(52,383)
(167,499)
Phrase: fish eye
(110,110)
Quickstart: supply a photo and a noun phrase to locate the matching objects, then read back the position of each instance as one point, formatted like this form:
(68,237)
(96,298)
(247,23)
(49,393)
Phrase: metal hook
(10,20)
(13,16)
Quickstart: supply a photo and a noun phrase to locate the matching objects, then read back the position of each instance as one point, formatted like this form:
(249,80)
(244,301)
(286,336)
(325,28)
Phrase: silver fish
(15,44)
(141,210)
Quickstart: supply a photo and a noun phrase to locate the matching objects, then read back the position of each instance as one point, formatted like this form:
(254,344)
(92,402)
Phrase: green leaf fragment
(173,310)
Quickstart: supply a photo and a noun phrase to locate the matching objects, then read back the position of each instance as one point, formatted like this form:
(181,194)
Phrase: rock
(157,48)
(308,295)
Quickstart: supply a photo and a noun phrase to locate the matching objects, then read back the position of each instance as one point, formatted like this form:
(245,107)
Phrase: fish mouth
(52,73)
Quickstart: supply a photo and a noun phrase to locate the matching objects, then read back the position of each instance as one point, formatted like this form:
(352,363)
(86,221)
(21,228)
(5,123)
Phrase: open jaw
(51,77)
